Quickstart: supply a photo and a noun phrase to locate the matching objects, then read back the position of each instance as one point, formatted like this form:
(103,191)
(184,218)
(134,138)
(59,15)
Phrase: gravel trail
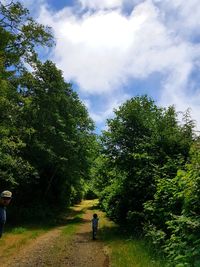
(55,249)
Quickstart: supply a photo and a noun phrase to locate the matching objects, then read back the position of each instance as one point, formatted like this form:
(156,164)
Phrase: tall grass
(126,250)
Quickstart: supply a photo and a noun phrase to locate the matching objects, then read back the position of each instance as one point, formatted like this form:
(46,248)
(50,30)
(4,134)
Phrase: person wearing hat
(5,199)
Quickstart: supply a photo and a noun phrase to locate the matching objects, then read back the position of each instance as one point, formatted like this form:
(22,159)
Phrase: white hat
(6,194)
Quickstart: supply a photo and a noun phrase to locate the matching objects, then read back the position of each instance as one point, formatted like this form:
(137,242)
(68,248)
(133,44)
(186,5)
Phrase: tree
(59,146)
(145,143)
(19,35)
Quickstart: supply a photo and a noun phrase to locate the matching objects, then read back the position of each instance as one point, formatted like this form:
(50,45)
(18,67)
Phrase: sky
(112,50)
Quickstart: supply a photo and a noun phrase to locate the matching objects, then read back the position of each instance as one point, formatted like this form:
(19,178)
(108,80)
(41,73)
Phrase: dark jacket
(2,214)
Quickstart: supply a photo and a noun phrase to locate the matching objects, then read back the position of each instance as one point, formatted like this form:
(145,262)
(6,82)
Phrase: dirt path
(55,249)
(84,251)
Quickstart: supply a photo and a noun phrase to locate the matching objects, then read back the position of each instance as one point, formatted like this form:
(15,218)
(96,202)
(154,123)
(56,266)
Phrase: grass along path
(38,245)
(71,245)
(123,250)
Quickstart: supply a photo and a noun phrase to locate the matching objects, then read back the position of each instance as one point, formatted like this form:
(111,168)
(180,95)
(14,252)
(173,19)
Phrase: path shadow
(74,221)
(87,237)
(70,216)
(94,207)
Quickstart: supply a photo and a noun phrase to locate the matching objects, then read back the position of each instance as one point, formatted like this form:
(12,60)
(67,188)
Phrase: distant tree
(60,141)
(144,143)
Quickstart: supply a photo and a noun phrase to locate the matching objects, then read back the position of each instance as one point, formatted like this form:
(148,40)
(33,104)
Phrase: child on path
(95,221)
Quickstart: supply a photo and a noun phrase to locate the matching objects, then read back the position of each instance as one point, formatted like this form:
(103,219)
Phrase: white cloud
(32,5)
(179,91)
(91,50)
(102,49)
(100,4)
(181,16)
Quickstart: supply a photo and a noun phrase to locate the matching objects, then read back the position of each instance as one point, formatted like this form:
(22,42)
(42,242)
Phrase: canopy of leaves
(143,177)
(46,139)
(145,143)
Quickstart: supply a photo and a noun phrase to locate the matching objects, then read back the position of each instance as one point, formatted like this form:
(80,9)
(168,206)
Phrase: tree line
(144,168)
(46,134)
(147,177)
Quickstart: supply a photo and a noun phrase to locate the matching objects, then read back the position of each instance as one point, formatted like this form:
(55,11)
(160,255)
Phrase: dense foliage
(142,176)
(174,215)
(45,131)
